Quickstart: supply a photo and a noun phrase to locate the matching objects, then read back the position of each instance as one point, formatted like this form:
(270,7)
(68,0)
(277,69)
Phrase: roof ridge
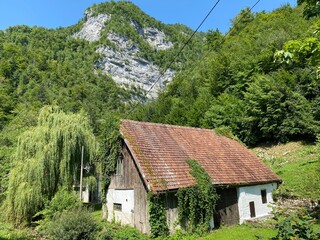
(171,126)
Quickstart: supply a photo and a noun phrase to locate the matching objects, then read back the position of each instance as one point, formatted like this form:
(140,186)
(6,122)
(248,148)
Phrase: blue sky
(62,13)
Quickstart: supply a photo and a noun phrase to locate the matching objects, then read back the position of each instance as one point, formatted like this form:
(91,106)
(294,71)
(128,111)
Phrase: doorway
(252,210)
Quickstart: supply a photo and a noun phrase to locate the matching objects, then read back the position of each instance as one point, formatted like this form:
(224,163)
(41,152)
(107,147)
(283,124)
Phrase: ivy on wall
(196,204)
(111,152)
(157,216)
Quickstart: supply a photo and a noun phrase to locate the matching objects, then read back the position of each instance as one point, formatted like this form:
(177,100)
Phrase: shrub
(7,231)
(295,225)
(63,200)
(73,224)
(283,192)
(117,232)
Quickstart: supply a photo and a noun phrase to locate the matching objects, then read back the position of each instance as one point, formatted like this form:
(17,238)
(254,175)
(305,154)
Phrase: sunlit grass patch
(244,232)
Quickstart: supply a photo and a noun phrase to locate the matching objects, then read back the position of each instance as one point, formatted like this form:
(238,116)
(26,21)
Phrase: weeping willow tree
(47,156)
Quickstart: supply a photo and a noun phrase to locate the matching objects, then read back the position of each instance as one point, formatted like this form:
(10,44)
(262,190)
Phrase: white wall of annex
(126,199)
(253,194)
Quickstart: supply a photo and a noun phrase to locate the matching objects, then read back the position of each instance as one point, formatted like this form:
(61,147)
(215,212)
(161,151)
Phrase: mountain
(120,58)
(133,46)
(111,57)
(101,66)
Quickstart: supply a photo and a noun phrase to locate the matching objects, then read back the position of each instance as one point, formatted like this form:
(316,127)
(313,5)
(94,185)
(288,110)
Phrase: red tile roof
(161,151)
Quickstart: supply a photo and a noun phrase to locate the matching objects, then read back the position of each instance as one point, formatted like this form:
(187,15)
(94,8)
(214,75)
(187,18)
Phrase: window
(117,207)
(264,196)
(119,169)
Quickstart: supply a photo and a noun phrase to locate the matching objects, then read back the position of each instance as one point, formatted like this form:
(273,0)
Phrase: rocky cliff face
(123,62)
(92,27)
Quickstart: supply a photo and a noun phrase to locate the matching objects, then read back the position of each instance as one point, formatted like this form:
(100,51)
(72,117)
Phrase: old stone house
(153,158)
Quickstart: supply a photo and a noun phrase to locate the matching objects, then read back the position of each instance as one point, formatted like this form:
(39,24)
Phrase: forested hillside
(41,67)
(260,82)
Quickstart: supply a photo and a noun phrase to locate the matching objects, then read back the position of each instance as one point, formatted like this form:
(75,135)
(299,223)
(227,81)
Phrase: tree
(225,111)
(244,18)
(302,53)
(214,39)
(311,9)
(273,111)
(47,156)
(6,101)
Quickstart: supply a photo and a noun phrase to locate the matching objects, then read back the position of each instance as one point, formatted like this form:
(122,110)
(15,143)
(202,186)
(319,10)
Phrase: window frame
(119,165)
(264,198)
(117,207)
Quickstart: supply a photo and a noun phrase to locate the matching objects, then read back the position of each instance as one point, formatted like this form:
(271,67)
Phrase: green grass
(7,232)
(97,215)
(298,165)
(244,232)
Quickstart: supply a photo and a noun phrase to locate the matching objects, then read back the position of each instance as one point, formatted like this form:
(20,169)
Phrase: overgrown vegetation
(65,217)
(196,204)
(110,151)
(8,232)
(157,216)
(72,224)
(63,200)
(295,224)
(298,165)
(246,86)
(260,84)
(47,157)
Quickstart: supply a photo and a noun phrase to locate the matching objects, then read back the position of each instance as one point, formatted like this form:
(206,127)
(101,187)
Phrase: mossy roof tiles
(160,152)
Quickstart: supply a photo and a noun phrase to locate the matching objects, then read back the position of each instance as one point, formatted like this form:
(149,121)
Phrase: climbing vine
(196,203)
(157,214)
(110,152)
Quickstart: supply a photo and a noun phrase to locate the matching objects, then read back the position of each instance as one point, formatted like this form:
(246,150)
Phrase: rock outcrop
(92,27)
(123,63)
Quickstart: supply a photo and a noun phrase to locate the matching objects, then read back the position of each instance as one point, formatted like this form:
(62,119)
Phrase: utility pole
(81,172)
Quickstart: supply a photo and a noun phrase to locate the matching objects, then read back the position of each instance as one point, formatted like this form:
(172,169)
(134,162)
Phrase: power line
(226,35)
(231,30)
(183,47)
(187,42)
(176,56)
(250,9)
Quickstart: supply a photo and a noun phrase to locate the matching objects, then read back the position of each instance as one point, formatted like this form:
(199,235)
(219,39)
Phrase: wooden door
(252,210)
(227,212)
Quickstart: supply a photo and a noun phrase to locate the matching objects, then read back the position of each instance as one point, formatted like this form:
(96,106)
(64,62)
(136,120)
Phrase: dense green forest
(41,67)
(259,83)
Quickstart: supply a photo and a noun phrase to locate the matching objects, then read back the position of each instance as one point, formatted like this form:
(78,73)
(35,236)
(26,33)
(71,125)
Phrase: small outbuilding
(153,158)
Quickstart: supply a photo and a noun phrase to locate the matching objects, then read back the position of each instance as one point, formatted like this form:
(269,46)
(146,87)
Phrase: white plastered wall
(126,199)
(253,194)
(86,195)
